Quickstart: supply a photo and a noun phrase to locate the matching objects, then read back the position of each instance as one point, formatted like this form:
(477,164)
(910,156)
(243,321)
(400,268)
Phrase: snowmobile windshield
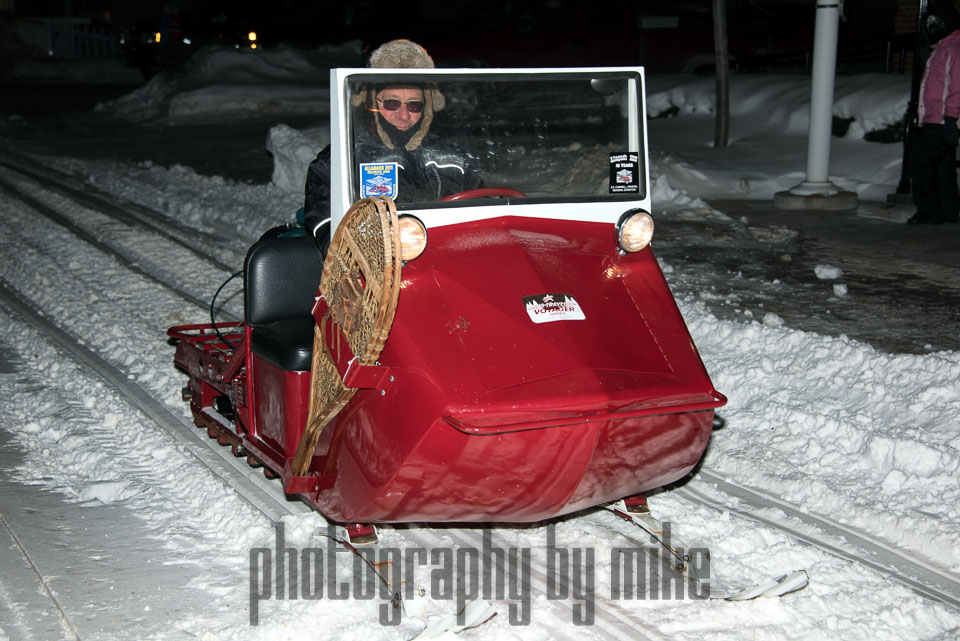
(426,139)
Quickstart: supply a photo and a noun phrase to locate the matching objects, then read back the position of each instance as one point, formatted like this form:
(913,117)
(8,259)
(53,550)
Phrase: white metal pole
(821,100)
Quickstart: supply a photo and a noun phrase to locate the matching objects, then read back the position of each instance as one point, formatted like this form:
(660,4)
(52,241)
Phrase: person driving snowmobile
(392,129)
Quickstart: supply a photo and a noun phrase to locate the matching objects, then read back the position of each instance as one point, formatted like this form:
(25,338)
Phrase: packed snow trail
(198,241)
(120,317)
(831,537)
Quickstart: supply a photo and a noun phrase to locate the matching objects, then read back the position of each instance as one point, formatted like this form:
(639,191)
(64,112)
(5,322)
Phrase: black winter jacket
(429,172)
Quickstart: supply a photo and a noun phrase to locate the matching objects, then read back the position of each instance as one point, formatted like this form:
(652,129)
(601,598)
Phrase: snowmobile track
(122,211)
(248,483)
(830,536)
(131,262)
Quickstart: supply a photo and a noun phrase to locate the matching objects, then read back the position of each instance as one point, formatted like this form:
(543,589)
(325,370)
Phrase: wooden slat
(344,252)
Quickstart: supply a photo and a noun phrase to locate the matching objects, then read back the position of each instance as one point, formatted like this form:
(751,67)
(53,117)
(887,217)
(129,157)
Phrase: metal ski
(474,613)
(785,584)
(635,510)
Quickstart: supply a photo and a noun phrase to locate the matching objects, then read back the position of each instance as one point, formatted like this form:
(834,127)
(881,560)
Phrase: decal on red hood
(548,308)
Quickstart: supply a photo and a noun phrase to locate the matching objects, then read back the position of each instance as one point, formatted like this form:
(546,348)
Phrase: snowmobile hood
(551,326)
(533,307)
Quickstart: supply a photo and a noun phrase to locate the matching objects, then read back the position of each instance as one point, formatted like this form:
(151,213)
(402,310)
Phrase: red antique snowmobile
(506,354)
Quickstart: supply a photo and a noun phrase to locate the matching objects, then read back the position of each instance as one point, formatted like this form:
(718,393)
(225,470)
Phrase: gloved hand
(951,135)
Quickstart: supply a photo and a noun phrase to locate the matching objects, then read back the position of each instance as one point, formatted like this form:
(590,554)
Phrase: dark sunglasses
(392,104)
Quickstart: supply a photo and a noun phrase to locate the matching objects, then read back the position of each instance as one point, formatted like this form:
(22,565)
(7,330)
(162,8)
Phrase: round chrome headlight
(413,237)
(634,230)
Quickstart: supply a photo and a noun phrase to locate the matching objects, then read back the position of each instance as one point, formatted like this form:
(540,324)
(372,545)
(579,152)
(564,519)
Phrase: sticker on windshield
(547,308)
(624,173)
(378,179)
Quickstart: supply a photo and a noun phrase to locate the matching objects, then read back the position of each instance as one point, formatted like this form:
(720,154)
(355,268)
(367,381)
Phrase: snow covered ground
(829,425)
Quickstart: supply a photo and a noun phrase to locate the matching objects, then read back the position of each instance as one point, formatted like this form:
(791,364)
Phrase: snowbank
(768,129)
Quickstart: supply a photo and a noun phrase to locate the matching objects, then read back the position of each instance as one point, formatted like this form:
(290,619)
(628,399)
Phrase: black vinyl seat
(280,278)
(287,344)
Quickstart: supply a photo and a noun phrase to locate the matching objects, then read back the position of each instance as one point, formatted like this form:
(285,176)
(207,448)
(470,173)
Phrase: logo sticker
(624,173)
(378,179)
(547,308)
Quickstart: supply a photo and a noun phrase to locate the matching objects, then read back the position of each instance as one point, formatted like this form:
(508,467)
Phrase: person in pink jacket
(934,159)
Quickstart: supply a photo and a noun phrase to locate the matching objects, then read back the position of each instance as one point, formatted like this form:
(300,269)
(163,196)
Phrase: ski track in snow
(828,424)
(862,437)
(103,453)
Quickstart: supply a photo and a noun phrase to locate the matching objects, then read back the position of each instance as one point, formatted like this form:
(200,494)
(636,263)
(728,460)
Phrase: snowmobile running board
(635,510)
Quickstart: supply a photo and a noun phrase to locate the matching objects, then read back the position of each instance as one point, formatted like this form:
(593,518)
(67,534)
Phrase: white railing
(79,38)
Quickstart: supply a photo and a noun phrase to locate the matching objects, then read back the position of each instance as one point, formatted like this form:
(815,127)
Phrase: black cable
(212,302)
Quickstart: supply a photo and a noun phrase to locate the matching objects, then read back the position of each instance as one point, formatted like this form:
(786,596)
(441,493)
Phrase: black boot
(923,218)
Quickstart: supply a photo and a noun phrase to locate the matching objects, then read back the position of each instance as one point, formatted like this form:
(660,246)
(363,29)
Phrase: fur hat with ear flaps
(402,54)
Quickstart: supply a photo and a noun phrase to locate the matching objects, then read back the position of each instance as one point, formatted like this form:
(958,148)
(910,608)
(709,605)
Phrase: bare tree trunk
(722,56)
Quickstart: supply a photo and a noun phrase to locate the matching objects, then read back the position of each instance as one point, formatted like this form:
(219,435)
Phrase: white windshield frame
(593,211)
